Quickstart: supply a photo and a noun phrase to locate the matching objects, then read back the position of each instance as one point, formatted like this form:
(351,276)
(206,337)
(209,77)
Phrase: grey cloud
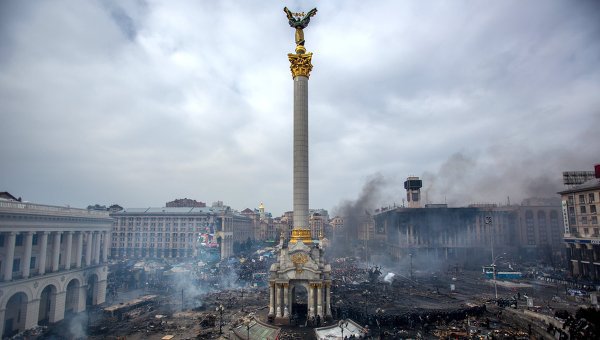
(138,103)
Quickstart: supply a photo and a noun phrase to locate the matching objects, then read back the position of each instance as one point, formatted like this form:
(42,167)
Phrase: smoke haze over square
(141,102)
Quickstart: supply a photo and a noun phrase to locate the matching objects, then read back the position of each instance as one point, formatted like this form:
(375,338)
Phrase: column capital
(300,64)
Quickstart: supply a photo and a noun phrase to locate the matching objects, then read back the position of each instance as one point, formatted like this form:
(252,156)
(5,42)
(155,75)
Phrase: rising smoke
(355,211)
(503,174)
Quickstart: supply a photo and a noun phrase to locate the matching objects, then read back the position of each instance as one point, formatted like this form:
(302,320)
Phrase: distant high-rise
(413,187)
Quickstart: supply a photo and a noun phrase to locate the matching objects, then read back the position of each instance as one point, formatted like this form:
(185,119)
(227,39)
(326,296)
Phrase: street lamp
(248,323)
(379,312)
(343,324)
(242,291)
(494,274)
(220,310)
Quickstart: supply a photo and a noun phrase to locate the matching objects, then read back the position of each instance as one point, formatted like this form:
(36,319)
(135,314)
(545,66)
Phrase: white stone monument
(300,263)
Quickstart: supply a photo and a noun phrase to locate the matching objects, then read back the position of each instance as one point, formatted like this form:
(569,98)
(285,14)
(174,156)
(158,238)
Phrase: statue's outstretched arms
(304,22)
(311,13)
(288,13)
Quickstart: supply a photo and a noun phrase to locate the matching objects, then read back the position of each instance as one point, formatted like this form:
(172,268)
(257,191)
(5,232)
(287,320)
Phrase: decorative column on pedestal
(285,299)
(311,303)
(328,299)
(278,299)
(300,67)
(319,300)
(271,298)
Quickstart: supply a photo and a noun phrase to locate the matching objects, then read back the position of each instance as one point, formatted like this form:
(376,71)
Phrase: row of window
(155,245)
(122,219)
(583,198)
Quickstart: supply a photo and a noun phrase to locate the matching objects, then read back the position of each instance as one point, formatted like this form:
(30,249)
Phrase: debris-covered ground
(209,301)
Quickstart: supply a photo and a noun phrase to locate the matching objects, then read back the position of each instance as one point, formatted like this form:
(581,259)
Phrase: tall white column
(10,255)
(278,299)
(271,298)
(97,248)
(55,250)
(79,250)
(300,152)
(27,255)
(88,248)
(311,303)
(68,249)
(285,300)
(328,299)
(320,300)
(43,240)
(106,249)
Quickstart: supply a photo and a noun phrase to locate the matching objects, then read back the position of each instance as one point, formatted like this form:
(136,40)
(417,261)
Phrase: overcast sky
(142,102)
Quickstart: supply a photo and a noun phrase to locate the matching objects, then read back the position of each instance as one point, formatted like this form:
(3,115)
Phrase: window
(571,200)
(594,219)
(19,240)
(591,198)
(586,231)
(581,199)
(582,209)
(32,263)
(584,220)
(592,209)
(16,265)
(34,239)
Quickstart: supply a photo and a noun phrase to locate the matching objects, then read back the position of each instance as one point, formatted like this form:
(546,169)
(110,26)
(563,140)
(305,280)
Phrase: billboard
(565,212)
(577,177)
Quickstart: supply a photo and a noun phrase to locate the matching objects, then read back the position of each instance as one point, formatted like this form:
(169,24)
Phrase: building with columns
(53,261)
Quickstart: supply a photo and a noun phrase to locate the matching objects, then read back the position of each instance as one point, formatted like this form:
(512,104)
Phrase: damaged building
(467,234)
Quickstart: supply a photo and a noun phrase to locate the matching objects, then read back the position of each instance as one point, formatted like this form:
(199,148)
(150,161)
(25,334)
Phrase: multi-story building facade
(53,260)
(580,207)
(175,232)
(530,230)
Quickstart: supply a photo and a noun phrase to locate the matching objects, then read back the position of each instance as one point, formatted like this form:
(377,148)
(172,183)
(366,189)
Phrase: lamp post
(220,310)
(242,291)
(343,324)
(248,324)
(379,312)
(494,274)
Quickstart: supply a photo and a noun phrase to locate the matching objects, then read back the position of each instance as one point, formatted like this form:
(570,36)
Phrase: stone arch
(6,294)
(47,304)
(92,289)
(73,296)
(15,314)
(299,291)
